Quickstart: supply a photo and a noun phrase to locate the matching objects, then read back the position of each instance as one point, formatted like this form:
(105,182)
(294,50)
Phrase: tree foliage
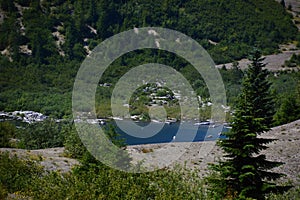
(234,25)
(16,175)
(288,111)
(7,131)
(286,88)
(42,135)
(245,171)
(25,179)
(57,33)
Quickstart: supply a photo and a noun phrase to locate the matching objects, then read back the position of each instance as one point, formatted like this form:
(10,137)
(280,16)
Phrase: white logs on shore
(25,116)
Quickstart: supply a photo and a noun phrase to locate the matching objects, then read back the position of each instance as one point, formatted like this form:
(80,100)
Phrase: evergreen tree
(245,172)
(92,13)
(288,111)
(282,2)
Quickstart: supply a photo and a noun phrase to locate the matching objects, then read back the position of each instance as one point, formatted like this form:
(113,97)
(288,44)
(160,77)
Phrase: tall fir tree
(282,2)
(245,172)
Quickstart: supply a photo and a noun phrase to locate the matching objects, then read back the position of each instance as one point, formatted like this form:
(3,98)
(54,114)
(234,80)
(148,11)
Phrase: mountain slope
(44,42)
(43,29)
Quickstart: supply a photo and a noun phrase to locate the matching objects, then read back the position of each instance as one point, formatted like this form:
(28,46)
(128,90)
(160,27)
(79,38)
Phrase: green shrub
(7,131)
(46,134)
(106,183)
(16,174)
(293,194)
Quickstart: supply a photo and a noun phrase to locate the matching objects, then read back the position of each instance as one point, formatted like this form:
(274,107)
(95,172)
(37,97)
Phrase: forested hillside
(43,42)
(227,28)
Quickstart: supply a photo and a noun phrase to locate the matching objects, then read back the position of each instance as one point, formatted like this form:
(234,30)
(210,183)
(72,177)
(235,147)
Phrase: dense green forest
(44,42)
(234,25)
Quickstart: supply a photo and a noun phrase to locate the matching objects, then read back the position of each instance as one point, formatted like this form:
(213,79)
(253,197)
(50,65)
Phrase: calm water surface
(190,132)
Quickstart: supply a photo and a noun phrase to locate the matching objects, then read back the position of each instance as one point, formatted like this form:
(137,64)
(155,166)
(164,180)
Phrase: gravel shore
(197,155)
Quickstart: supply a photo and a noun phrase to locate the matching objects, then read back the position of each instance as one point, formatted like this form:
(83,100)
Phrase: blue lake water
(189,133)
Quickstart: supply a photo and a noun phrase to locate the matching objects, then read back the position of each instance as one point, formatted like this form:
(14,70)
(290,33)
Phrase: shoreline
(285,149)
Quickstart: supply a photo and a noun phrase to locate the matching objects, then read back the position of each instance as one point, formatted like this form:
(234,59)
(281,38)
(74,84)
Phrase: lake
(159,132)
(188,132)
